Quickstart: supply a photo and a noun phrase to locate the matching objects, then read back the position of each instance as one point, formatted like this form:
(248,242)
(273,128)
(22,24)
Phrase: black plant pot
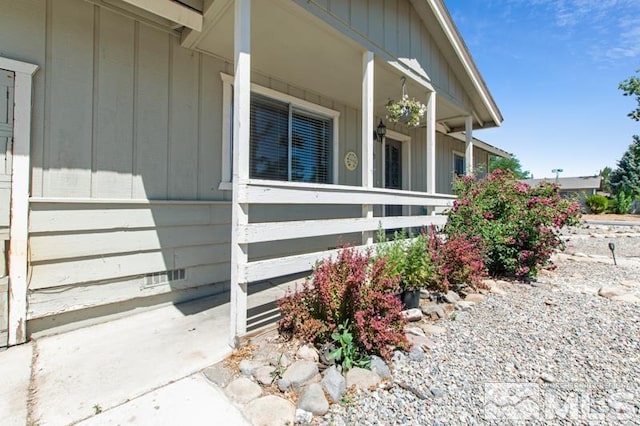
(410,299)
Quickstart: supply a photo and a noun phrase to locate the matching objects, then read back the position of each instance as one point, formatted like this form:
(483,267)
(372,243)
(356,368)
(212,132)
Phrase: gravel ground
(553,352)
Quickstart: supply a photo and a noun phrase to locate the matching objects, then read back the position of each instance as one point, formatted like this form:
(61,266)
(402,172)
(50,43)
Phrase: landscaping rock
(270,410)
(362,378)
(313,400)
(451,297)
(474,297)
(630,283)
(264,375)
(297,374)
(610,292)
(434,329)
(243,390)
(630,298)
(418,331)
(434,311)
(334,384)
(281,360)
(303,417)
(219,374)
(380,367)
(463,305)
(420,341)
(412,315)
(247,366)
(416,353)
(308,353)
(437,393)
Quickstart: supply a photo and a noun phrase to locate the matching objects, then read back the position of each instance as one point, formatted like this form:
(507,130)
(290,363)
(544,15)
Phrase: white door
(6,144)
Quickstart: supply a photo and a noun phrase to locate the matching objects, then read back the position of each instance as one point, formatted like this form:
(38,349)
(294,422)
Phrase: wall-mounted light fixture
(381,131)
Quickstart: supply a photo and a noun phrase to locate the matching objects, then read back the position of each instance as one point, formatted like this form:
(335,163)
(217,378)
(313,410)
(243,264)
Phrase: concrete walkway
(144,369)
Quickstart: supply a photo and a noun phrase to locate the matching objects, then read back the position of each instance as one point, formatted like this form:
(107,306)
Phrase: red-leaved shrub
(351,289)
(457,262)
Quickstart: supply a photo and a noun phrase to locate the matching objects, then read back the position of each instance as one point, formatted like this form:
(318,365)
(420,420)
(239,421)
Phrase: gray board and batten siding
(126,152)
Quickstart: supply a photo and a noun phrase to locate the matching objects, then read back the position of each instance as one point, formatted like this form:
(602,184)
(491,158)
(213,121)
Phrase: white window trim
(406,163)
(227,90)
(453,161)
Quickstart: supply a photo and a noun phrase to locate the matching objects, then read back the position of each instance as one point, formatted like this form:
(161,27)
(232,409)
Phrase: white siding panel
(69,136)
(44,303)
(152,114)
(183,124)
(113,144)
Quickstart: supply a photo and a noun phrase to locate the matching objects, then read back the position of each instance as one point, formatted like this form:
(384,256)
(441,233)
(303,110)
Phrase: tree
(510,163)
(626,177)
(631,87)
(605,174)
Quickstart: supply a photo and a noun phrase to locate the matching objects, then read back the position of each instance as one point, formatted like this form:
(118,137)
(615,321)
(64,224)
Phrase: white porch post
(468,136)
(431,142)
(20,176)
(367,136)
(239,209)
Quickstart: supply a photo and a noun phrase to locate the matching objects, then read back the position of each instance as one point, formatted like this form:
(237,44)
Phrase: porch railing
(262,192)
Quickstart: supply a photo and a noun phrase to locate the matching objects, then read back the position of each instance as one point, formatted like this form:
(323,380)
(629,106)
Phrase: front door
(6,144)
(393,172)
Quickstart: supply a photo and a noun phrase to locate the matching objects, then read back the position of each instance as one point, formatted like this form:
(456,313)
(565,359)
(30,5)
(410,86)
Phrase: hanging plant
(407,110)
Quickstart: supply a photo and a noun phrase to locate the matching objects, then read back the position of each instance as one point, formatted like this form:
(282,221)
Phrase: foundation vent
(163,277)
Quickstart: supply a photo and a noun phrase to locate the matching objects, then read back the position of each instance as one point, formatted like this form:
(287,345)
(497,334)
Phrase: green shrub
(407,257)
(518,225)
(354,291)
(623,202)
(597,203)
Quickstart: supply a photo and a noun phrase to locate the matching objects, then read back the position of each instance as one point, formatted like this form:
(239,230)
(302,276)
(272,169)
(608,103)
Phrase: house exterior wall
(126,153)
(395,27)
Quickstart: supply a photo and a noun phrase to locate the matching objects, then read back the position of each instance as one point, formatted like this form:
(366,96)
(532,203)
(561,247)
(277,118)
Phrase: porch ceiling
(292,46)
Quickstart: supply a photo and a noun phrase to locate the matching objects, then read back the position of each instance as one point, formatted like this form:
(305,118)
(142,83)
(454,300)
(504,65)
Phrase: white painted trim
(241,136)
(439,10)
(140,201)
(172,11)
(227,81)
(210,17)
(265,192)
(21,174)
(366,142)
(431,142)
(468,144)
(278,231)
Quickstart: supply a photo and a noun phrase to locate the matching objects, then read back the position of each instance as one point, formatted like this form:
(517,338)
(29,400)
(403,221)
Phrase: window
(458,164)
(290,139)
(288,143)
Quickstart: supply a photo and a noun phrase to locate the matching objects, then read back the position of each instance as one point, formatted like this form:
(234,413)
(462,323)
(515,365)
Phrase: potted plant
(408,258)
(407,110)
(417,269)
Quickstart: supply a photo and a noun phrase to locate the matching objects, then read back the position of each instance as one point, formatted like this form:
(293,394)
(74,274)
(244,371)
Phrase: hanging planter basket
(407,110)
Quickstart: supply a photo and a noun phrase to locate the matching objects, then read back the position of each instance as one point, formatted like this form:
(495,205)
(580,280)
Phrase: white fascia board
(172,11)
(461,51)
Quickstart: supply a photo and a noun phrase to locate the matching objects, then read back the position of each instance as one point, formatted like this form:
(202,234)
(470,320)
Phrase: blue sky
(553,67)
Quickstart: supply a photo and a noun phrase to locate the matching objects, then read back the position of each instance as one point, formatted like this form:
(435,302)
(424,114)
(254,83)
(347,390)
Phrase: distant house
(159,151)
(579,186)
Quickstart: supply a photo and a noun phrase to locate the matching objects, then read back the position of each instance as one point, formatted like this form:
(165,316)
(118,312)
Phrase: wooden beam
(431,142)
(367,139)
(19,226)
(288,193)
(241,135)
(214,10)
(278,231)
(172,11)
(468,144)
